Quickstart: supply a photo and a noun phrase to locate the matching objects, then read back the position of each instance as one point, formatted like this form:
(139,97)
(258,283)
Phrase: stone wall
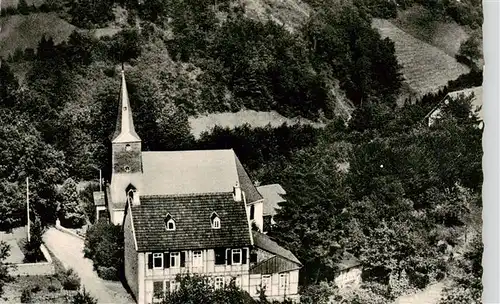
(42,268)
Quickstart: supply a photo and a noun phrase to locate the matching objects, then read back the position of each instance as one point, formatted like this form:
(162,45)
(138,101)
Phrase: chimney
(237,192)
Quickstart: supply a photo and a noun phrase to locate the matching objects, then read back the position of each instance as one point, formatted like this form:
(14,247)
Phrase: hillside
(20,31)
(425,67)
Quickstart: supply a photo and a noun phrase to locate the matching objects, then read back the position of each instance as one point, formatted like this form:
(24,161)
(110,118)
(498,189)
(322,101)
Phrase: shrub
(33,253)
(83,297)
(70,280)
(108,273)
(35,289)
(26,296)
(104,246)
(53,287)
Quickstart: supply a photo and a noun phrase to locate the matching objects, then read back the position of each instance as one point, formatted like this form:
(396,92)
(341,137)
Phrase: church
(194,212)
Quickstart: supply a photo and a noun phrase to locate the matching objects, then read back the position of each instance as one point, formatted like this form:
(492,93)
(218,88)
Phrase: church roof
(196,171)
(192,214)
(251,193)
(272,197)
(125,131)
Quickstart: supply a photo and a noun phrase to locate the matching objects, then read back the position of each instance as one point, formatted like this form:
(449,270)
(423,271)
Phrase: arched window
(130,193)
(169,222)
(215,221)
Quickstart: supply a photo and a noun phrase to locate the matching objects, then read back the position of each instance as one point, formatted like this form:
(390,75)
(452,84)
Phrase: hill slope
(425,67)
(20,31)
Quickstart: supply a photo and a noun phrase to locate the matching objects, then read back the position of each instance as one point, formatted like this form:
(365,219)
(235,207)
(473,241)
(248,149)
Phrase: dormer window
(215,221)
(169,223)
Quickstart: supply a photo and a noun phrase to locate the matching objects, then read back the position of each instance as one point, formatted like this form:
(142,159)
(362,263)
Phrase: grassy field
(445,35)
(23,32)
(253,118)
(425,67)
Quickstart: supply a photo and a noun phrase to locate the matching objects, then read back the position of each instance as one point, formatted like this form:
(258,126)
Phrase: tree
(310,223)
(83,297)
(195,289)
(12,205)
(70,213)
(104,246)
(4,268)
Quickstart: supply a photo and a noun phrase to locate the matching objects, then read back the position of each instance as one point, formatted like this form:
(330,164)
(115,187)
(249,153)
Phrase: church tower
(126,160)
(126,144)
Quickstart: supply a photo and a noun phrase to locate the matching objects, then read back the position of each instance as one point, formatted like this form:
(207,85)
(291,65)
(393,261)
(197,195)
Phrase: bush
(26,296)
(108,273)
(83,297)
(36,289)
(104,246)
(54,287)
(70,280)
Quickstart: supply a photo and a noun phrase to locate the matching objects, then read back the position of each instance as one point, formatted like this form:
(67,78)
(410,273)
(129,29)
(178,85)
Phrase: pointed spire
(125,131)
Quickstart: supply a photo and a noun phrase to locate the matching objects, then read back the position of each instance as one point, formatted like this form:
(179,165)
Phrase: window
(127,169)
(236,253)
(169,222)
(197,258)
(283,280)
(157,260)
(219,282)
(252,212)
(214,219)
(266,282)
(158,289)
(175,259)
(220,256)
(128,147)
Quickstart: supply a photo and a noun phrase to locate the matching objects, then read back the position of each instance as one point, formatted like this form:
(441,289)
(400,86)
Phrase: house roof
(263,242)
(349,261)
(275,264)
(272,197)
(99,198)
(476,102)
(191,214)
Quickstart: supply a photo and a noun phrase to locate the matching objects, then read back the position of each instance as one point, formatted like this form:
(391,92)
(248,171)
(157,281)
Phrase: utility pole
(28,206)
(100,180)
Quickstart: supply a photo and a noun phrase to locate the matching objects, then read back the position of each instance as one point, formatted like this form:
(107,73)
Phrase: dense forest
(409,204)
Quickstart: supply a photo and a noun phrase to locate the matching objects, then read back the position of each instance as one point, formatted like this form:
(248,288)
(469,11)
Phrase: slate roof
(272,197)
(263,242)
(191,214)
(99,198)
(246,184)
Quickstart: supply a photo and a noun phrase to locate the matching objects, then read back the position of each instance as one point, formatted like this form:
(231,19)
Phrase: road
(69,250)
(430,295)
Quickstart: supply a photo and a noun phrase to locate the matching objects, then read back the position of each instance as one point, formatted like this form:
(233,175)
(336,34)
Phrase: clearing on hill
(255,119)
(291,14)
(25,31)
(425,68)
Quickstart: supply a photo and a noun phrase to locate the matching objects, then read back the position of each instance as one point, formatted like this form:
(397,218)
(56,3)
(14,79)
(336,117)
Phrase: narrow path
(430,295)
(69,250)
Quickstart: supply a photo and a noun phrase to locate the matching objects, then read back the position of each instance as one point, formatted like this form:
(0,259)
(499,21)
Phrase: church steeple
(125,131)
